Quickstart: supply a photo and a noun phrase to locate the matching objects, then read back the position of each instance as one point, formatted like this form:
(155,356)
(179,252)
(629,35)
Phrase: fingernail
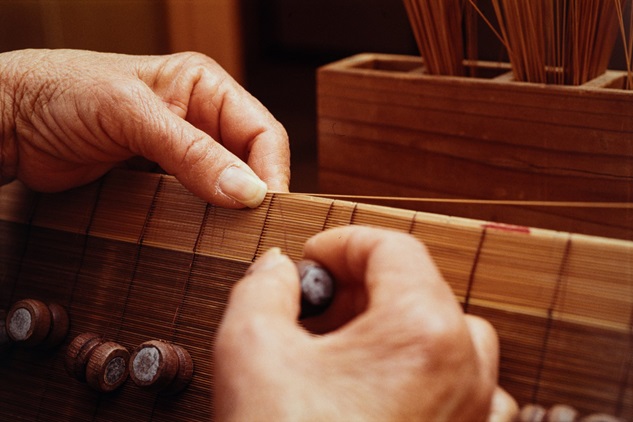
(270,259)
(243,186)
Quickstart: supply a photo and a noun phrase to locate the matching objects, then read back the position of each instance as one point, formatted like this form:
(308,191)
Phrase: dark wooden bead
(78,353)
(59,325)
(154,365)
(185,371)
(29,322)
(107,367)
(317,288)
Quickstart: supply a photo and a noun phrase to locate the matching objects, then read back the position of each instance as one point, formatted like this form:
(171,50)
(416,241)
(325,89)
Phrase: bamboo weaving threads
(626,41)
(563,42)
(437,27)
(557,41)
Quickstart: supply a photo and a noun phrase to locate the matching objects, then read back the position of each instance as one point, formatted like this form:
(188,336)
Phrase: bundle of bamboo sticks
(565,42)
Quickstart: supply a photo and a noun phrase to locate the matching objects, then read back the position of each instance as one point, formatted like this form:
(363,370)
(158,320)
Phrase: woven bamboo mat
(136,257)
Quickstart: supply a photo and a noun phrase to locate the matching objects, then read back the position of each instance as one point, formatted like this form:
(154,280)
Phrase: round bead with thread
(33,323)
(559,413)
(78,353)
(107,367)
(161,367)
(60,323)
(28,322)
(185,371)
(317,288)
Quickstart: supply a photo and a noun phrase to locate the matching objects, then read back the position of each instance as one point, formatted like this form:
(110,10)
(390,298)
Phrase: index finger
(196,88)
(245,127)
(250,131)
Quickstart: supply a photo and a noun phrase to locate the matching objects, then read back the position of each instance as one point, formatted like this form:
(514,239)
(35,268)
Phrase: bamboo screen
(136,257)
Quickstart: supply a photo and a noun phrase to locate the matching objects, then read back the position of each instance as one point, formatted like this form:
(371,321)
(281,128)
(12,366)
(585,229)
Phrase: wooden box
(387,128)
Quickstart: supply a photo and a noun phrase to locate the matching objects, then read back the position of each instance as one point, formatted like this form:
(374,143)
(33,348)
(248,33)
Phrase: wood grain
(387,128)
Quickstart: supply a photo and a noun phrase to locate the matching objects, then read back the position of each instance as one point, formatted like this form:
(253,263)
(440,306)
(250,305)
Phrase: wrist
(8,134)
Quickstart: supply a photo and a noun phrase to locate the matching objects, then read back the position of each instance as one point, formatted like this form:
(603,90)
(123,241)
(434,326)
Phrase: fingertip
(270,287)
(268,260)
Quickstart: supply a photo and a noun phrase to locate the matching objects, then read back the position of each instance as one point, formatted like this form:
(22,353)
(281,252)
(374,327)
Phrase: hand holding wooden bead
(161,367)
(32,323)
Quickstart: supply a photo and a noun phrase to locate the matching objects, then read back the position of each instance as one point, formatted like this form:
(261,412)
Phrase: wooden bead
(531,413)
(29,322)
(32,323)
(317,288)
(154,365)
(78,353)
(561,413)
(107,367)
(59,325)
(185,371)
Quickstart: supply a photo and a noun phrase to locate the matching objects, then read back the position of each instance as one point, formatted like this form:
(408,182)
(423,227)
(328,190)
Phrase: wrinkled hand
(394,345)
(68,116)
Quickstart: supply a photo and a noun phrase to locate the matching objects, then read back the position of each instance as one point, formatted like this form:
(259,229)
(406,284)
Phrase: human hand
(394,344)
(68,116)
